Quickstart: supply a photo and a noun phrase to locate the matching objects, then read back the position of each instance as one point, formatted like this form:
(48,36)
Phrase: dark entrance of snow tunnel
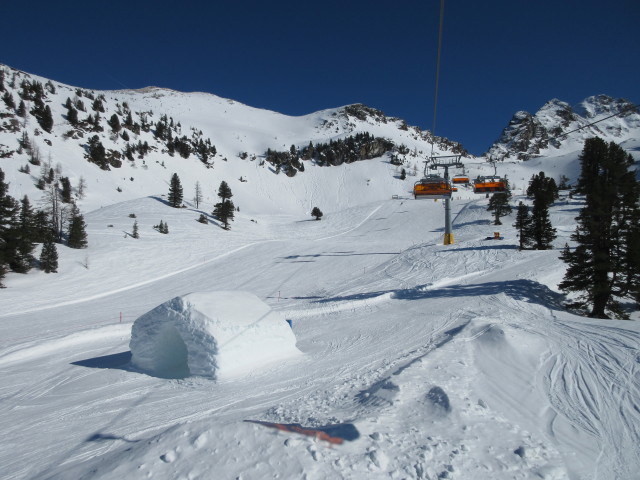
(170,354)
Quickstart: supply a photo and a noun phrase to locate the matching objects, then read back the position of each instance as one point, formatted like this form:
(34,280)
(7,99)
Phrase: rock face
(529,135)
(210,334)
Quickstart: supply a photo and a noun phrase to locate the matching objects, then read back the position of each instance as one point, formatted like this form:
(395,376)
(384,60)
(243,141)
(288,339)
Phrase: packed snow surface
(210,334)
(451,361)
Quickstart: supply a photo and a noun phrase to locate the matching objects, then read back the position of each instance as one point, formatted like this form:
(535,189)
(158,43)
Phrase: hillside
(454,361)
(199,136)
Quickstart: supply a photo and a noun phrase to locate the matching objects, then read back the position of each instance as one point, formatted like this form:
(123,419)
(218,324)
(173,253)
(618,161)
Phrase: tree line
(22,227)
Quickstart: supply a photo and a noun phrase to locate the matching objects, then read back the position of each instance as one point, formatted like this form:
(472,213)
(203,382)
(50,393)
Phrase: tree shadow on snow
(492,246)
(473,222)
(160,199)
(524,290)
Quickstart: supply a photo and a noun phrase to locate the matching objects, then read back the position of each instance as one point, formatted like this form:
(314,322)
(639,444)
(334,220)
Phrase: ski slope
(451,361)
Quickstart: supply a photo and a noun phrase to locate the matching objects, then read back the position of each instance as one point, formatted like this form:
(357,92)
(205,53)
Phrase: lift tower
(446,162)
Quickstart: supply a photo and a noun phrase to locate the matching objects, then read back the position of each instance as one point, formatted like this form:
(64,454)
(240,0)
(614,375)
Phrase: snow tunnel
(210,334)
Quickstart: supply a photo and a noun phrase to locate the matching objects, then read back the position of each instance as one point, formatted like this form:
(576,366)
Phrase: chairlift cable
(435,101)
(628,109)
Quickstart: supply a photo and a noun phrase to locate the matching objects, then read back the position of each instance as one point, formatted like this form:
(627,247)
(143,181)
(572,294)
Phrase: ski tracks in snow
(591,426)
(589,358)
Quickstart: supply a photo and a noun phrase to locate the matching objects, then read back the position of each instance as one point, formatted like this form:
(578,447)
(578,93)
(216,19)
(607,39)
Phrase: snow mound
(210,334)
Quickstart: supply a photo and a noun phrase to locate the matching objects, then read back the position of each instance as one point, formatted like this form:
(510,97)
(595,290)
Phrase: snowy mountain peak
(602,105)
(557,125)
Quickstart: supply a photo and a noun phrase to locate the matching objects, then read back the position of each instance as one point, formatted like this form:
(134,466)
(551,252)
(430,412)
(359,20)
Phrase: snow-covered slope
(383,314)
(451,361)
(240,135)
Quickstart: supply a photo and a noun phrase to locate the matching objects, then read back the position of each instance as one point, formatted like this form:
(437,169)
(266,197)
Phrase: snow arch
(210,334)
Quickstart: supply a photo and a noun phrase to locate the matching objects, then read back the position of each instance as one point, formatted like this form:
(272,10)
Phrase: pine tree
(25,237)
(224,191)
(3,268)
(49,256)
(543,189)
(41,226)
(8,100)
(114,123)
(499,205)
(77,235)
(604,264)
(43,114)
(22,109)
(544,192)
(72,116)
(523,225)
(8,227)
(97,153)
(65,189)
(175,192)
(316,212)
(46,120)
(542,231)
(97,105)
(224,211)
(135,233)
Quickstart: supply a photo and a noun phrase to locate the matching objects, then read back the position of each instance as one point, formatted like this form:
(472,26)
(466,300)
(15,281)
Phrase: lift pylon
(446,162)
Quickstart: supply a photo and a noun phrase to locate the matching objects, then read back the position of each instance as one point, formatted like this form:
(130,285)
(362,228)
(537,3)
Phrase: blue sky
(297,57)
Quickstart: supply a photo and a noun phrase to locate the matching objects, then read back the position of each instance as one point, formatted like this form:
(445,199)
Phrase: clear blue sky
(296,57)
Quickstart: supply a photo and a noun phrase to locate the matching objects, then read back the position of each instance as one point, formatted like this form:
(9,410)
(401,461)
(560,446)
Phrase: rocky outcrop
(528,135)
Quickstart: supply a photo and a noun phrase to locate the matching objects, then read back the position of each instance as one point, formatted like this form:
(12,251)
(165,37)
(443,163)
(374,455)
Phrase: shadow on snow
(118,361)
(524,290)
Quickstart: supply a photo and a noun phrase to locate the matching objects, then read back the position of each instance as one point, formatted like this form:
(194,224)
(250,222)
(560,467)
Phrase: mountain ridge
(533,135)
(157,131)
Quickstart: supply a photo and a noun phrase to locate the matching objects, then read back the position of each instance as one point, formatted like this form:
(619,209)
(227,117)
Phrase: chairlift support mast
(446,162)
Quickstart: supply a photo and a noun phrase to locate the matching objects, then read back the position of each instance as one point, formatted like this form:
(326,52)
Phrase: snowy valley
(455,361)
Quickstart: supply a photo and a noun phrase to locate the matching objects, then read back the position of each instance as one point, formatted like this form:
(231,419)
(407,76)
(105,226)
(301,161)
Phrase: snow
(452,361)
(210,334)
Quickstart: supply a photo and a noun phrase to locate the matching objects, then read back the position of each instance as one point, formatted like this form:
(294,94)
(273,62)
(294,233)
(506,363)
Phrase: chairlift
(432,186)
(489,184)
(460,179)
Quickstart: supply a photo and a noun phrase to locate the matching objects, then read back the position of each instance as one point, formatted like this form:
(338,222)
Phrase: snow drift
(210,334)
